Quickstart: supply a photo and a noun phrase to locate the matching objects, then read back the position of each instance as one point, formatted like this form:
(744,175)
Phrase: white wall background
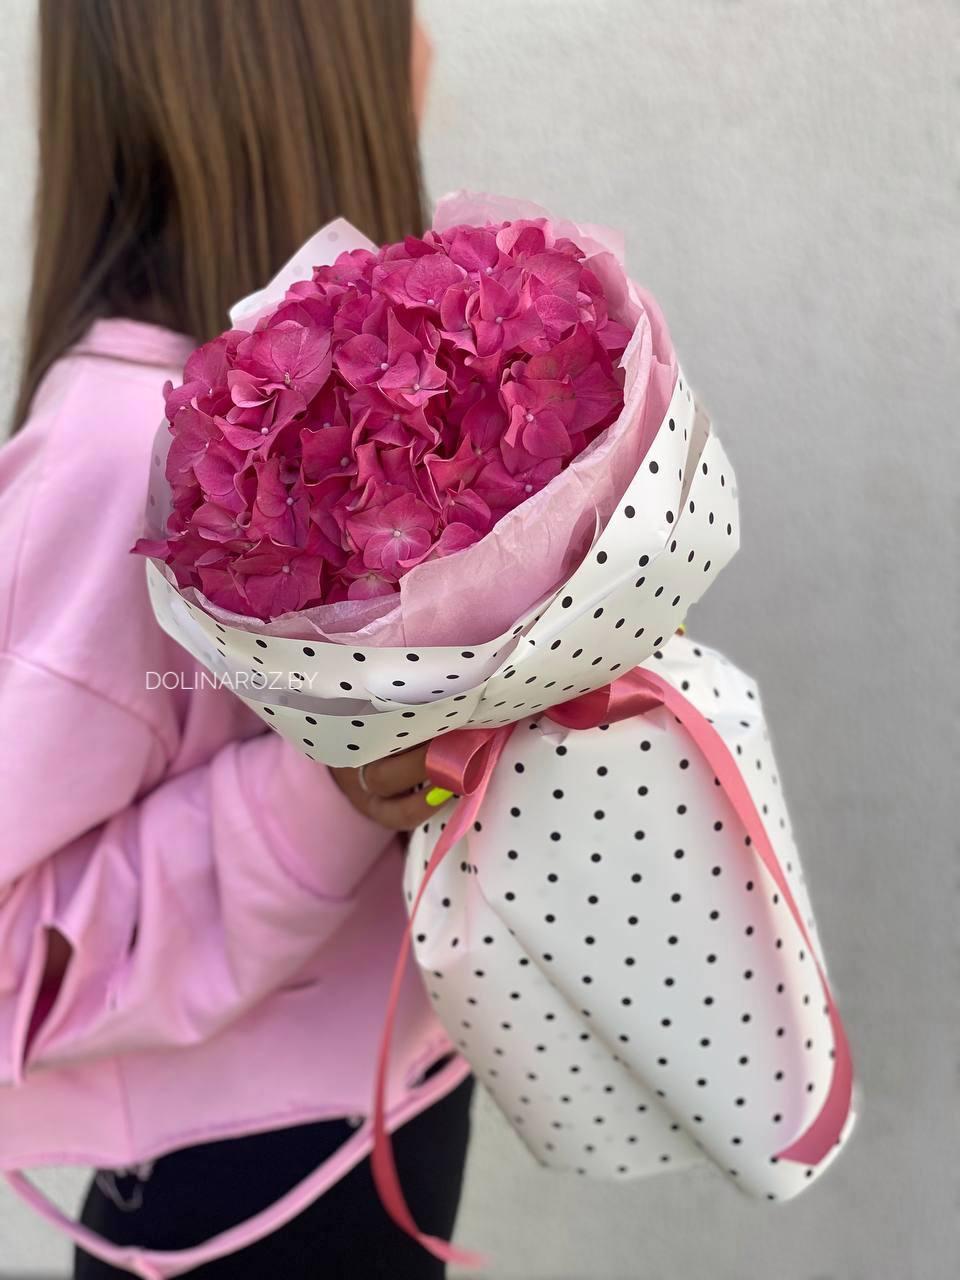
(784,172)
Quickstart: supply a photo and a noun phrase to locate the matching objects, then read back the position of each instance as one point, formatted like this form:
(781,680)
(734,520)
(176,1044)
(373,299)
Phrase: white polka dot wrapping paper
(604,947)
(607,950)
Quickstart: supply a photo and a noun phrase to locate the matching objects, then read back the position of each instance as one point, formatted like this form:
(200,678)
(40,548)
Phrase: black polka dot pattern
(364,703)
(654,1022)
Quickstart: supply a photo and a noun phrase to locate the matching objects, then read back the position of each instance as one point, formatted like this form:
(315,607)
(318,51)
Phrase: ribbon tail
(382,1162)
(817,1140)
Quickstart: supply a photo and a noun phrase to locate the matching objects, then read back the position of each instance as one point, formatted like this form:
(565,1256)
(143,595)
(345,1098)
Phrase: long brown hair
(187,147)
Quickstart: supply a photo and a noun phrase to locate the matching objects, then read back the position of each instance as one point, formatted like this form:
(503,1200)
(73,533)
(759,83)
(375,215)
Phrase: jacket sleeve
(183,905)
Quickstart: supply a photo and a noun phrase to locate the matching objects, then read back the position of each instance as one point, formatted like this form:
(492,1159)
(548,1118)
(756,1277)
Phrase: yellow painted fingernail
(437,796)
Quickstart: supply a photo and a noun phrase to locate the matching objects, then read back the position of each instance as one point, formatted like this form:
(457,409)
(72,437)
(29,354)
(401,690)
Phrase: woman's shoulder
(73,486)
(103,399)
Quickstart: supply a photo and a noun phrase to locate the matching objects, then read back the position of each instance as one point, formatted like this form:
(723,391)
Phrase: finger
(401,813)
(395,775)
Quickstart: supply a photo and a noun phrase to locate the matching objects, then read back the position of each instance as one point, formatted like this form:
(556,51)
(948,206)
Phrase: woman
(197,924)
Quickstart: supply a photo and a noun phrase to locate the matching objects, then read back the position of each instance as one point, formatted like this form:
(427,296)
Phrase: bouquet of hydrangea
(458,490)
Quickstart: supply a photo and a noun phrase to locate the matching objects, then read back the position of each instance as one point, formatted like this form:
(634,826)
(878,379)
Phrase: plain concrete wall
(783,171)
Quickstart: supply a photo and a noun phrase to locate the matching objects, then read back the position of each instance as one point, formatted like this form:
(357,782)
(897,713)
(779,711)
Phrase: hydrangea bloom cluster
(388,411)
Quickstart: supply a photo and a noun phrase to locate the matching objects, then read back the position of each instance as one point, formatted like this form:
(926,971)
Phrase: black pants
(200,1191)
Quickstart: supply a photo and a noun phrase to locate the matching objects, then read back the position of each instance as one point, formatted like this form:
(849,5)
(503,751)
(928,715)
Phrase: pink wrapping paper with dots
(628,980)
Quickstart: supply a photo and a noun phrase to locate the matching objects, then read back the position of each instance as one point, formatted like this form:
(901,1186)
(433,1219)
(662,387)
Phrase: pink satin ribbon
(464,762)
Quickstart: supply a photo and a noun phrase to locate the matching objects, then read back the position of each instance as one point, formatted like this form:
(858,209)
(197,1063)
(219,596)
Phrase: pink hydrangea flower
(393,535)
(388,411)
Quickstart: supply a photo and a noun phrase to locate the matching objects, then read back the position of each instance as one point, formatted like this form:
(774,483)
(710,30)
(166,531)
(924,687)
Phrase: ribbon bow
(464,761)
